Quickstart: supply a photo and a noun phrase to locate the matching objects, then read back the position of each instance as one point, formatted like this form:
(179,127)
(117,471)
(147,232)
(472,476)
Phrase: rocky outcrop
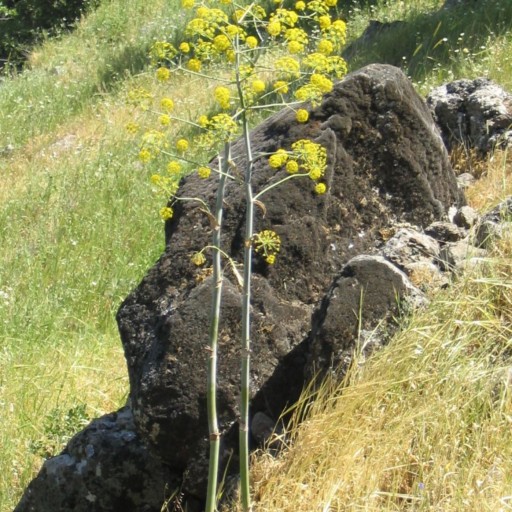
(476,113)
(387,166)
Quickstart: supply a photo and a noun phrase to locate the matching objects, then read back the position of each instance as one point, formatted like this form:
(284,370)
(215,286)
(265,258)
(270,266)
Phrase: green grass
(79,222)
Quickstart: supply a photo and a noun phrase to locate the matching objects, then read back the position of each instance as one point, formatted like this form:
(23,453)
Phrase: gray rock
(459,255)
(445,231)
(465,180)
(476,113)
(493,224)
(465,217)
(262,427)
(409,246)
(103,468)
(365,297)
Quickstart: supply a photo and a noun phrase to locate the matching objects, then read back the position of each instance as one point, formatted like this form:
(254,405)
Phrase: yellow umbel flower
(187,4)
(166,213)
(251,42)
(182,145)
(173,167)
(194,65)
(274,28)
(203,121)
(320,188)
(198,259)
(325,47)
(281,87)
(302,115)
(145,155)
(132,127)
(204,172)
(164,120)
(221,43)
(184,47)
(163,74)
(278,159)
(268,244)
(167,104)
(223,95)
(324,22)
(258,86)
(300,5)
(292,167)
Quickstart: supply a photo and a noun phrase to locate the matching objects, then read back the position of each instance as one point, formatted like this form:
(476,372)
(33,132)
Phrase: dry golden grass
(426,423)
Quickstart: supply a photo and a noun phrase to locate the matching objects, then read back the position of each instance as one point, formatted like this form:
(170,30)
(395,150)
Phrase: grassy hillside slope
(79,227)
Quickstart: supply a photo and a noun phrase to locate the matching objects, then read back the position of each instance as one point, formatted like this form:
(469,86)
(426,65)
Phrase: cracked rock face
(386,164)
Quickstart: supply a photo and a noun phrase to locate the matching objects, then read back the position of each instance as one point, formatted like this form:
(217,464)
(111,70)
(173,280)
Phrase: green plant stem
(246,308)
(213,427)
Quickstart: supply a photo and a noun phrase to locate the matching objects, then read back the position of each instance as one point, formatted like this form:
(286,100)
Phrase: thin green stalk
(246,306)
(213,427)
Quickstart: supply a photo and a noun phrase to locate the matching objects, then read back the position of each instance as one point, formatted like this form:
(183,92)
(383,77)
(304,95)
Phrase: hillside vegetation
(425,423)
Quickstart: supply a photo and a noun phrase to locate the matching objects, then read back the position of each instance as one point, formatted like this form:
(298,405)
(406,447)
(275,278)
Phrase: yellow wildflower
(324,22)
(204,172)
(222,95)
(325,47)
(302,115)
(164,120)
(278,159)
(292,167)
(198,259)
(187,4)
(167,104)
(163,74)
(300,5)
(221,43)
(251,42)
(173,167)
(320,188)
(258,86)
(203,121)
(184,47)
(144,155)
(132,127)
(281,86)
(182,145)
(166,213)
(194,65)
(274,28)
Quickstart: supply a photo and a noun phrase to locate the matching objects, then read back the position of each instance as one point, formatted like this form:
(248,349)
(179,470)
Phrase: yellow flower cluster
(162,51)
(153,141)
(306,157)
(223,96)
(311,156)
(297,40)
(140,97)
(314,90)
(267,243)
(219,129)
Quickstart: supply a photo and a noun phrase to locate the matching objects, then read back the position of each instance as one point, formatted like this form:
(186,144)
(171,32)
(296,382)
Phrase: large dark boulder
(386,164)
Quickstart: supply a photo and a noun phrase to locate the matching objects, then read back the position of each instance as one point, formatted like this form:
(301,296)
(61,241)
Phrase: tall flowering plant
(301,46)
